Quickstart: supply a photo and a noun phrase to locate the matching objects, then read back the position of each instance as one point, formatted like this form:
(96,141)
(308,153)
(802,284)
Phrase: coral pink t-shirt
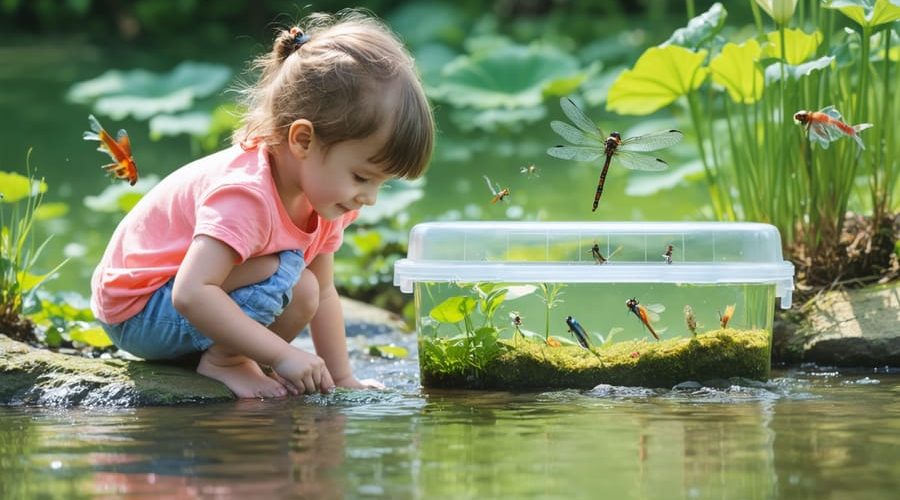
(230,196)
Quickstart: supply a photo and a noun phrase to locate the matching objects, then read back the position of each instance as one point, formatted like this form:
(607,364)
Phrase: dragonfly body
(499,193)
(119,149)
(827,125)
(578,331)
(643,314)
(589,144)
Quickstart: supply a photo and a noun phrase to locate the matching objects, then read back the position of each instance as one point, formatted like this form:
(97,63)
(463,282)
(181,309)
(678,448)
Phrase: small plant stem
(691,10)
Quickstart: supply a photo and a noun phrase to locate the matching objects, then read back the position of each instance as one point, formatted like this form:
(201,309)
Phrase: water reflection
(796,437)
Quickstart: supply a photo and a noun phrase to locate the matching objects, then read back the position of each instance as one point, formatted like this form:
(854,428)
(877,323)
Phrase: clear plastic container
(549,304)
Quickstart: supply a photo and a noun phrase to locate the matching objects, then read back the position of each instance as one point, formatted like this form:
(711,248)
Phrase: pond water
(804,434)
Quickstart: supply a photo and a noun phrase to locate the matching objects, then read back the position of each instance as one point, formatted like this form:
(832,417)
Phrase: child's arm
(198,295)
(327,327)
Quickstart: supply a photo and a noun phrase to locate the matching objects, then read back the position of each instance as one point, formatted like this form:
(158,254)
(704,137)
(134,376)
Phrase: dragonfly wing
(657,308)
(124,142)
(490,186)
(819,133)
(652,142)
(576,136)
(832,112)
(577,153)
(579,119)
(639,161)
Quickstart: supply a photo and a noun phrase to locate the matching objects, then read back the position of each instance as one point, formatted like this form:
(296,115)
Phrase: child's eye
(359,178)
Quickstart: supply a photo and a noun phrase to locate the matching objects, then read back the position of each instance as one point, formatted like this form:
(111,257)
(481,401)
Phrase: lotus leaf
(93,336)
(491,120)
(143,94)
(422,22)
(393,200)
(660,75)
(193,123)
(18,187)
(798,45)
(512,77)
(699,29)
(120,197)
(773,71)
(867,13)
(736,68)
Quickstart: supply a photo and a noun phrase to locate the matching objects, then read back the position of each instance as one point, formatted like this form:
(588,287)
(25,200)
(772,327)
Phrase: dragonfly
(499,193)
(118,149)
(667,255)
(725,317)
(826,126)
(646,314)
(599,258)
(589,144)
(530,171)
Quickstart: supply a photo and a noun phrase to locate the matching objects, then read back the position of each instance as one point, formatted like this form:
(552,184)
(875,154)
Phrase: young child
(232,254)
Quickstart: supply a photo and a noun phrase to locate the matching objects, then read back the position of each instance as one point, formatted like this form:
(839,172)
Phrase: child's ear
(300,136)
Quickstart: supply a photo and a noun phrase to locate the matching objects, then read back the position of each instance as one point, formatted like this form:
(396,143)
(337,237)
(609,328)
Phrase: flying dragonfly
(826,126)
(499,193)
(589,143)
(646,313)
(118,149)
(599,258)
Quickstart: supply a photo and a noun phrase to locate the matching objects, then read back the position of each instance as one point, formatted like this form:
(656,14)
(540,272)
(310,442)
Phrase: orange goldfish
(826,126)
(119,150)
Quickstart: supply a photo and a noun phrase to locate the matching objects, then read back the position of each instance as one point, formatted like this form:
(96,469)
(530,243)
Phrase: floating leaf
(491,120)
(194,123)
(736,69)
(773,71)
(120,197)
(388,351)
(867,13)
(47,211)
(799,46)
(660,75)
(143,94)
(699,29)
(513,77)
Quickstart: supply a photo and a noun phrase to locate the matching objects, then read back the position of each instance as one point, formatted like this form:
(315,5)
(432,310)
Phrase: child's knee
(305,298)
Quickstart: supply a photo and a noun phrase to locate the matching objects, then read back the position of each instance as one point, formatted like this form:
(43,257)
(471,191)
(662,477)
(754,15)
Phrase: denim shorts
(161,332)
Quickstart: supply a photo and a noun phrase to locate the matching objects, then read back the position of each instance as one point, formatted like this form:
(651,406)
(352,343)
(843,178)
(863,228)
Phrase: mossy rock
(719,354)
(40,377)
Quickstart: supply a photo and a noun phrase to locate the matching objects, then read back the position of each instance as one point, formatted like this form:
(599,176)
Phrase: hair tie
(299,37)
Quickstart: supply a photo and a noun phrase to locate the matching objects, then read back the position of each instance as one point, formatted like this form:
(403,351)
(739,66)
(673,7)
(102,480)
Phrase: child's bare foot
(240,374)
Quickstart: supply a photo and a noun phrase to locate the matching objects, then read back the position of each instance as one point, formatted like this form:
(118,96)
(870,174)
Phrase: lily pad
(867,13)
(120,197)
(491,120)
(515,76)
(18,187)
(194,123)
(795,72)
(143,94)
(737,69)
(799,45)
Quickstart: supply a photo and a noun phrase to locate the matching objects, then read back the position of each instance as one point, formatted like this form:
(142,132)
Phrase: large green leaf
(15,187)
(512,77)
(453,310)
(798,45)
(92,335)
(143,94)
(699,29)
(795,72)
(736,68)
(868,13)
(660,75)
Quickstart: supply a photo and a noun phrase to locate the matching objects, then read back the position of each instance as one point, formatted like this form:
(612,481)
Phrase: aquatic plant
(740,97)
(549,294)
(19,251)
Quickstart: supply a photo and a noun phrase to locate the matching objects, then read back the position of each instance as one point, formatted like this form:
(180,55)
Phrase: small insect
(598,257)
(119,150)
(725,317)
(499,193)
(530,171)
(826,126)
(690,320)
(516,319)
(645,314)
(667,255)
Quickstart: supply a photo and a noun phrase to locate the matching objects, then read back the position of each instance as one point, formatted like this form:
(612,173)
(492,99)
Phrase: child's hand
(306,372)
(350,382)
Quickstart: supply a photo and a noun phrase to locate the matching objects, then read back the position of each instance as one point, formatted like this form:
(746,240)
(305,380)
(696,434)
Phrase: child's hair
(332,70)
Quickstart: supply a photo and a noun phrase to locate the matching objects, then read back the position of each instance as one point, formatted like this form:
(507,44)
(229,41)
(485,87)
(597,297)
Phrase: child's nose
(367,196)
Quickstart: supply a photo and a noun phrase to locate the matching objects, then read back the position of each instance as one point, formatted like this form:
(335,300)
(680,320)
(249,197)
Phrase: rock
(854,328)
(40,377)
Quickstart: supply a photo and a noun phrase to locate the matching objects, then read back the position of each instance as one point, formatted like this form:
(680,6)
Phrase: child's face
(343,178)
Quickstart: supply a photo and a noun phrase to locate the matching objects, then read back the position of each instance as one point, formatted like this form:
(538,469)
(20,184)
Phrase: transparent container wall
(557,242)
(601,309)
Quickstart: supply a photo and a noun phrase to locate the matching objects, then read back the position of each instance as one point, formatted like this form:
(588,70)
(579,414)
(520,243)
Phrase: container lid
(634,252)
